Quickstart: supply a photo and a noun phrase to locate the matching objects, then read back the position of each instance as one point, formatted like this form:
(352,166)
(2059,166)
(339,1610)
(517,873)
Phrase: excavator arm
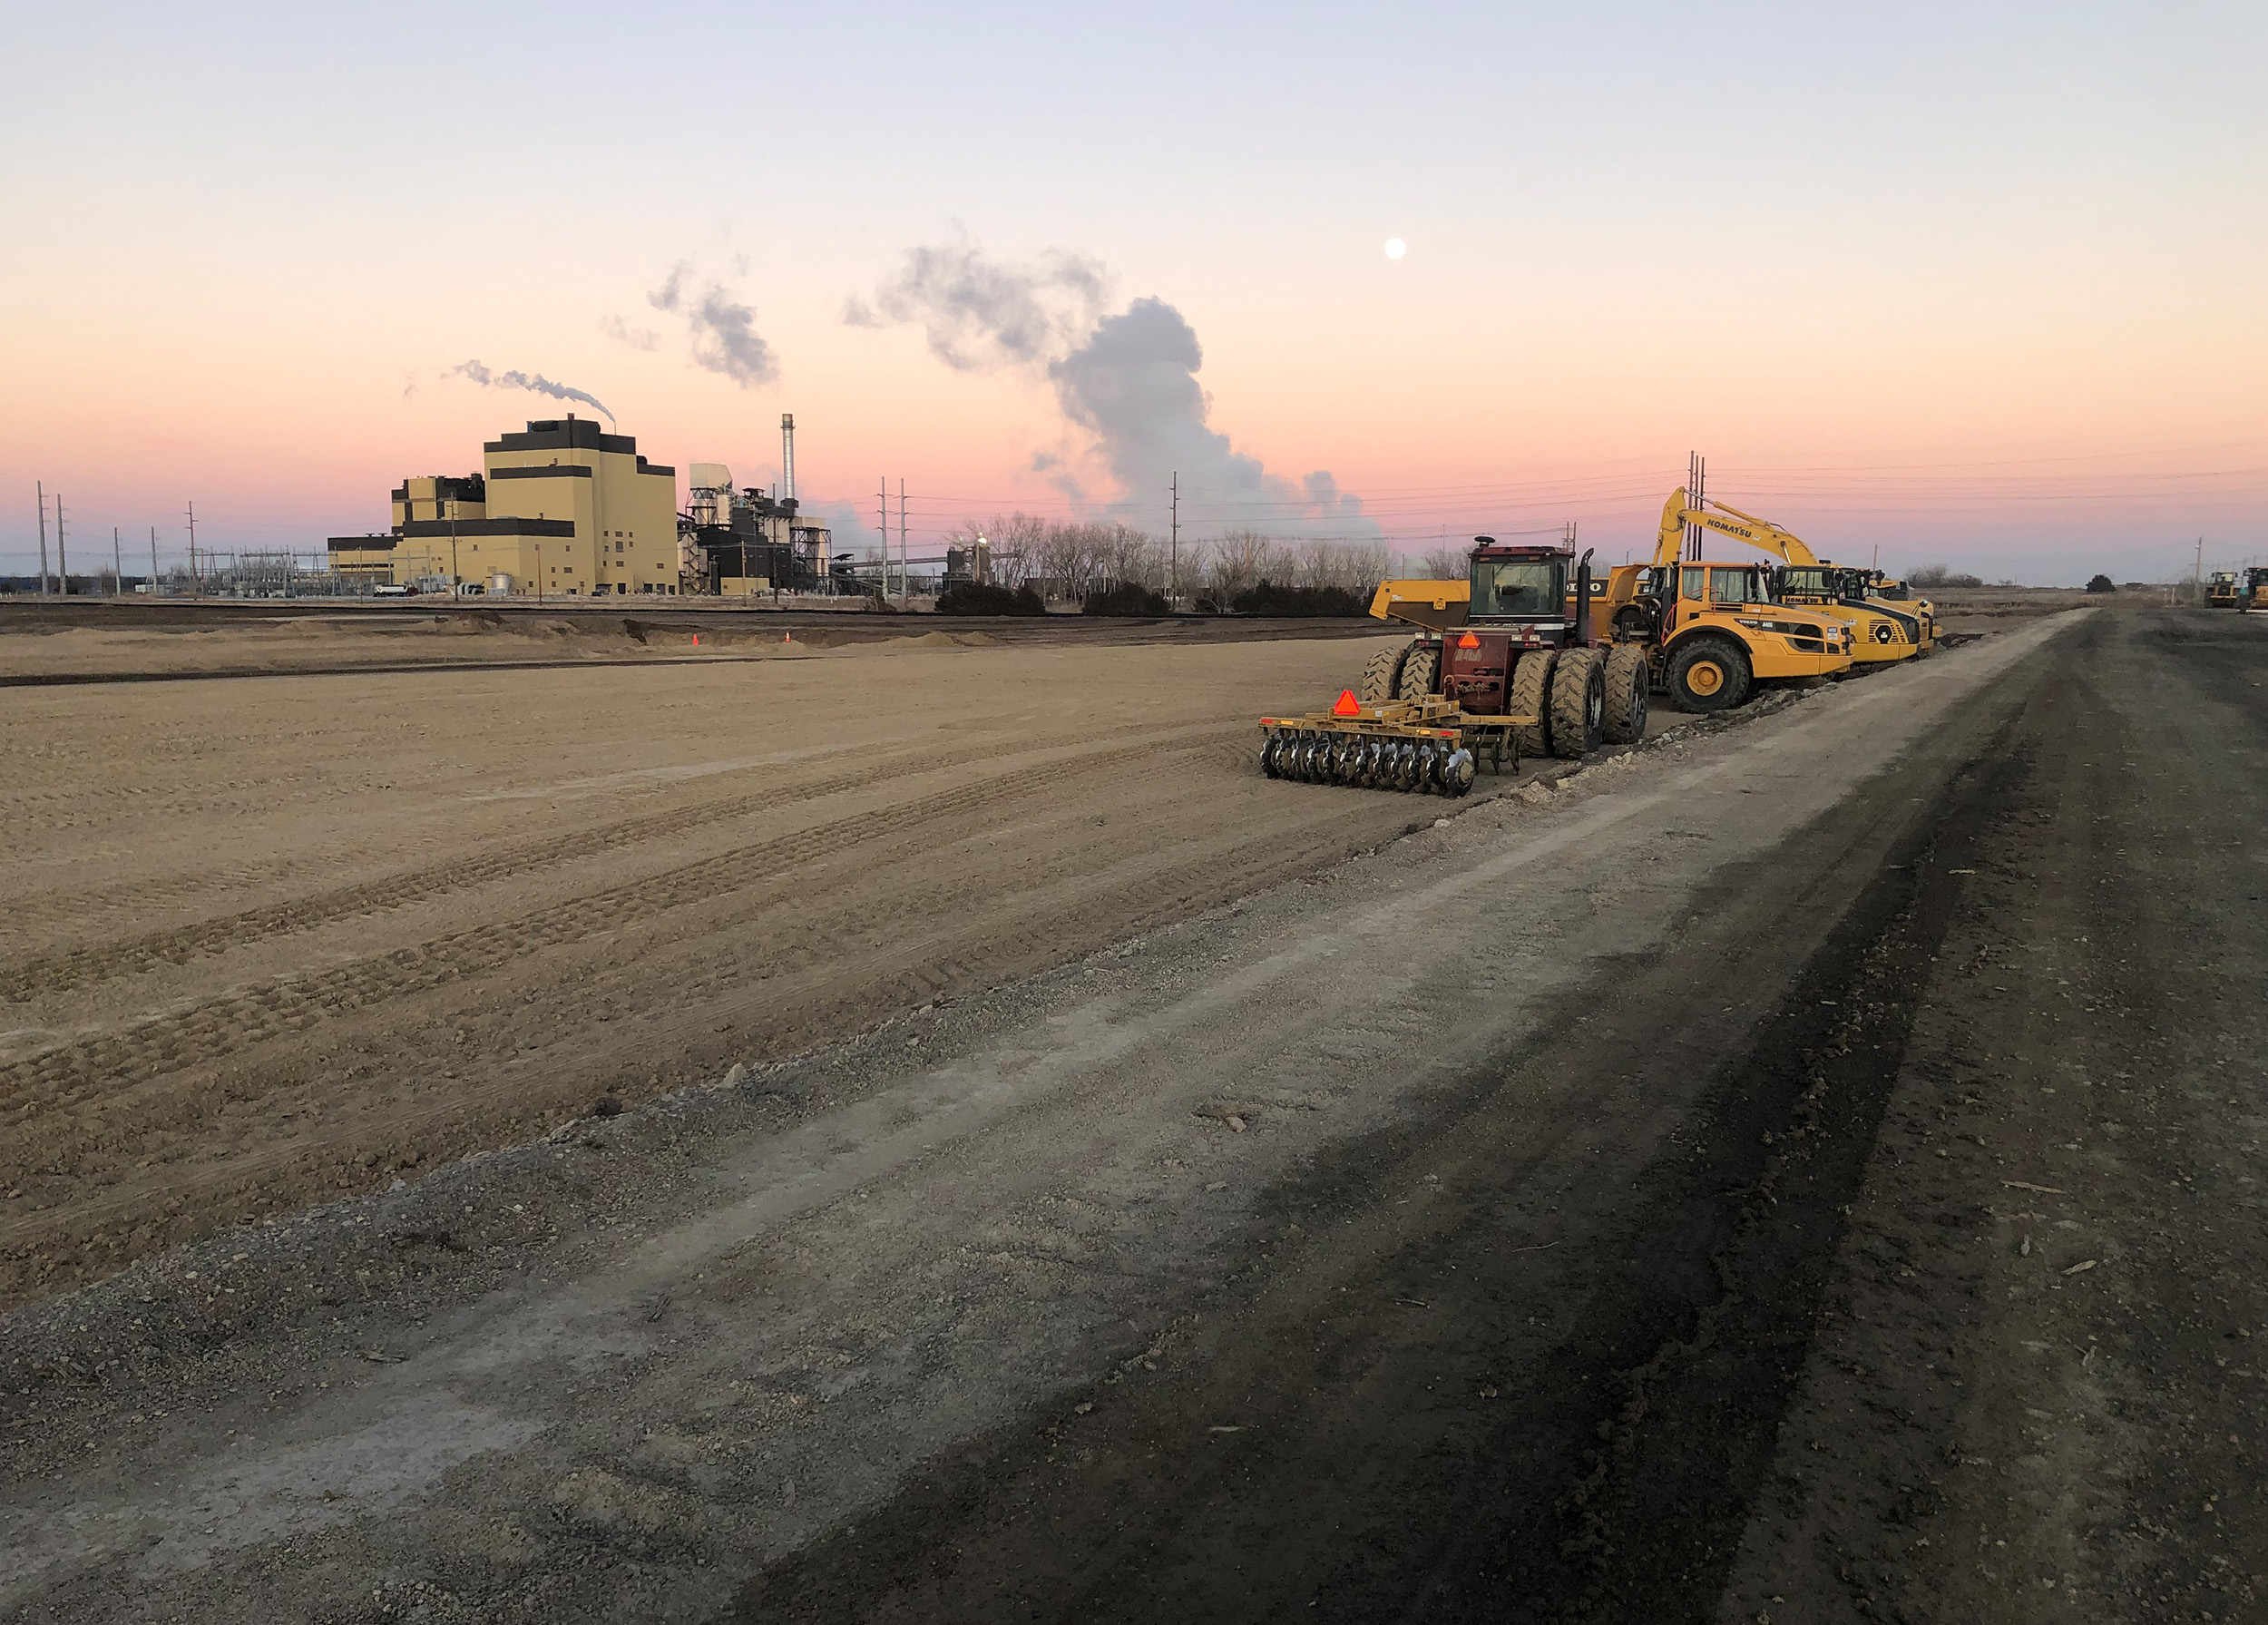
(1760,533)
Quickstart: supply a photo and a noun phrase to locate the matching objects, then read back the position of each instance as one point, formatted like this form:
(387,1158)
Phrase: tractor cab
(1521,599)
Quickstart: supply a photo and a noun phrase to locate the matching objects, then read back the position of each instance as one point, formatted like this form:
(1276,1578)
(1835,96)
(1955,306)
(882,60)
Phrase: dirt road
(1647,1204)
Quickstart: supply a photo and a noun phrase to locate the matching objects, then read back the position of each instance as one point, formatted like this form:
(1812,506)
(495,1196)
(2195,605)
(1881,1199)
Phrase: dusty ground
(1446,1232)
(273,940)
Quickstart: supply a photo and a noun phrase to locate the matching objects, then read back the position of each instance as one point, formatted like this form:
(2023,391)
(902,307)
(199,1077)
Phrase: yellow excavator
(1882,631)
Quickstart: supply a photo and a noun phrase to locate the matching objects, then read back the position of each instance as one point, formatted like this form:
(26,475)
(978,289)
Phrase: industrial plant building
(562,507)
(567,508)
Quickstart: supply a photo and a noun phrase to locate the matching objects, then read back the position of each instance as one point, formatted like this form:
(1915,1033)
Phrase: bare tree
(1447,564)
(1239,560)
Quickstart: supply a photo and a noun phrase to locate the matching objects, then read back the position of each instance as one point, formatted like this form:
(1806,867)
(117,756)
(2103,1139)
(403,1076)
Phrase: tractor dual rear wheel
(1380,673)
(1531,696)
(1578,703)
(1708,674)
(1418,671)
(1629,678)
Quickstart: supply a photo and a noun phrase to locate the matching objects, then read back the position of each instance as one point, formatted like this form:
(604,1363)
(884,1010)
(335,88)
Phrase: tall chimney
(788,457)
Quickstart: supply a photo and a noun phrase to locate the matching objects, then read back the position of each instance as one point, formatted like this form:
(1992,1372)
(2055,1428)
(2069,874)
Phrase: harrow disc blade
(1457,773)
(1269,748)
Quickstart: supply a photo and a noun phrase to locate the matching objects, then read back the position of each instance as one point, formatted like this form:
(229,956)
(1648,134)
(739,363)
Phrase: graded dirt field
(1803,1169)
(56,642)
(274,939)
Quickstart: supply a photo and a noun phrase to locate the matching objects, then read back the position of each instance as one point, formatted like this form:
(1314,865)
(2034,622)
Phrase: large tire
(1627,681)
(1418,671)
(1531,696)
(1708,674)
(1380,673)
(1578,703)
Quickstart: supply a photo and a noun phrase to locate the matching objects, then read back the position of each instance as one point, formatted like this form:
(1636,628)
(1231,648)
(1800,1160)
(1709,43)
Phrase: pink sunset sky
(1977,285)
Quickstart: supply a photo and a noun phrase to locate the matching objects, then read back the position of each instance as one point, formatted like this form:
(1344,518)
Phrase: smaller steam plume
(534,383)
(722,330)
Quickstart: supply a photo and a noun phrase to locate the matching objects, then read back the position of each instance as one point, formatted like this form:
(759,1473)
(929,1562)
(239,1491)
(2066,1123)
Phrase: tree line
(1073,561)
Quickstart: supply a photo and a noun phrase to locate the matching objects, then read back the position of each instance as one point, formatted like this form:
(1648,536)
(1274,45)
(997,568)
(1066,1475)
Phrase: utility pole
(118,566)
(2196,574)
(886,536)
(192,550)
(1173,555)
(154,561)
(62,559)
(883,498)
(42,489)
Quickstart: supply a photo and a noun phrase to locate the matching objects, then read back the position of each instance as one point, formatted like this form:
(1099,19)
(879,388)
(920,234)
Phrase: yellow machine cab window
(1736,584)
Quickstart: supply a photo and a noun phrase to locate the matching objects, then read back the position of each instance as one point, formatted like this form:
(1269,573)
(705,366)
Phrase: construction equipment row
(1531,653)
(2242,592)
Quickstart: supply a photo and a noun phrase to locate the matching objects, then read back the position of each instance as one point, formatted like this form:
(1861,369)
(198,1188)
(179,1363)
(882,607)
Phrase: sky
(1979,285)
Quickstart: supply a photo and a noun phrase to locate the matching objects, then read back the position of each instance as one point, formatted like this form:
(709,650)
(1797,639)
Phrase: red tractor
(1526,648)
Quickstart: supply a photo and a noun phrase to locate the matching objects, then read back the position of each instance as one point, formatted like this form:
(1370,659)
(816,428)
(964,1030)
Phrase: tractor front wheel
(1531,696)
(1578,703)
(1709,674)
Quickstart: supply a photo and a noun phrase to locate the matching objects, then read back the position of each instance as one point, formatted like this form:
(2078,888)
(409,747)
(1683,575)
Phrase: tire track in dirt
(77,967)
(805,999)
(78,1073)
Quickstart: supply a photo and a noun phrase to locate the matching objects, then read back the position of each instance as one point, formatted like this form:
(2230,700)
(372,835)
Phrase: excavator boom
(1760,533)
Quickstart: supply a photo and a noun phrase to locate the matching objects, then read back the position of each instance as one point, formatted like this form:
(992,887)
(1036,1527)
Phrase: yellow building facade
(562,507)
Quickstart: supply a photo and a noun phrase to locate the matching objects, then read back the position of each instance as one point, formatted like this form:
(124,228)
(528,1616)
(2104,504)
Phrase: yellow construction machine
(2254,593)
(1882,631)
(2221,590)
(1897,595)
(1706,633)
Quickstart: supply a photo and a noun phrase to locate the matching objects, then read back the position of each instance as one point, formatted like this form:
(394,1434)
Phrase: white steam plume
(1129,379)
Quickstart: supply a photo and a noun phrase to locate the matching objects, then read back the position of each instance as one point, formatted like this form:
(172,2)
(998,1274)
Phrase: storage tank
(501,582)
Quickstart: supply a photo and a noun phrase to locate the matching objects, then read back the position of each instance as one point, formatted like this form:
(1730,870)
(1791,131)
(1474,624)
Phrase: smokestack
(788,457)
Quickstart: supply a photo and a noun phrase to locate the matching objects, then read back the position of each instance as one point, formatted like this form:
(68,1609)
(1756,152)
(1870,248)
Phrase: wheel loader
(2252,592)
(2221,590)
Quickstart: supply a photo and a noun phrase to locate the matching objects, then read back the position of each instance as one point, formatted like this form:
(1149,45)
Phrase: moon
(1396,247)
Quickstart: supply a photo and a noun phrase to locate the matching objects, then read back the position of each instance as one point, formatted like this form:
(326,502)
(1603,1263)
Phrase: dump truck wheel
(1418,669)
(1531,696)
(1708,674)
(1578,703)
(1628,680)
(1379,674)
